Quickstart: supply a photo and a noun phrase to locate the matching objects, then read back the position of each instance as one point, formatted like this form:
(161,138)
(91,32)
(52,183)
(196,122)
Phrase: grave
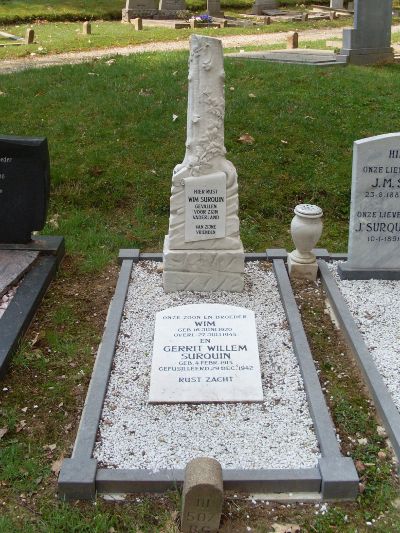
(139,9)
(374,233)
(260,6)
(253,330)
(214,8)
(171,9)
(369,42)
(27,264)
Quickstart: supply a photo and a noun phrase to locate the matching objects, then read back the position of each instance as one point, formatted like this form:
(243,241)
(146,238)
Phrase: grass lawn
(113,145)
(60,37)
(18,11)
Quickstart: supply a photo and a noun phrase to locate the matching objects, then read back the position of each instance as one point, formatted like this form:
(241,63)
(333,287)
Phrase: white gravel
(5,300)
(277,433)
(375,308)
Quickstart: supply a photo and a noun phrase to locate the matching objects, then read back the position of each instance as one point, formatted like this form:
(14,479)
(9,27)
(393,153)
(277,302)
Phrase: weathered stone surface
(214,8)
(137,23)
(139,8)
(293,40)
(369,41)
(374,234)
(86,28)
(261,5)
(13,265)
(202,496)
(30,36)
(302,271)
(172,5)
(337,4)
(204,161)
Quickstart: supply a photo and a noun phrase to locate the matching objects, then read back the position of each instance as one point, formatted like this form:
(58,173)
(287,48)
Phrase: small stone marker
(205,353)
(86,28)
(337,4)
(24,187)
(369,41)
(293,40)
(333,15)
(267,20)
(304,17)
(29,36)
(137,23)
(374,233)
(202,496)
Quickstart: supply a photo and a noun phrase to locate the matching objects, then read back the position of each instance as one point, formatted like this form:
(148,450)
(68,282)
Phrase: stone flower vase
(306,229)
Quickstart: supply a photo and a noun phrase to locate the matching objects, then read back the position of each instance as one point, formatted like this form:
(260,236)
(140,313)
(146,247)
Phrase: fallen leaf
(246,139)
(360,466)
(286,528)
(3,431)
(56,466)
(283,141)
(251,95)
(174,117)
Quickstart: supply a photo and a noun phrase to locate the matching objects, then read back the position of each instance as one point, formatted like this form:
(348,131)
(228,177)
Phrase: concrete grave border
(335,477)
(383,402)
(18,315)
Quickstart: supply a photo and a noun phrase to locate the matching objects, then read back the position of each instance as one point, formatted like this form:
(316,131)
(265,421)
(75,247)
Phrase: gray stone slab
(296,56)
(263,481)
(77,479)
(276,253)
(369,41)
(339,478)
(13,265)
(41,243)
(383,401)
(23,305)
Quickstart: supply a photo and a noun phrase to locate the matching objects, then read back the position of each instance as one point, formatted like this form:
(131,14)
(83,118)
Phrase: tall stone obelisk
(203,250)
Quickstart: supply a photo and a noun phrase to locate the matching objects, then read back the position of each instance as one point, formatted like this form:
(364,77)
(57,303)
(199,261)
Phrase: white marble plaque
(374,238)
(205,207)
(205,353)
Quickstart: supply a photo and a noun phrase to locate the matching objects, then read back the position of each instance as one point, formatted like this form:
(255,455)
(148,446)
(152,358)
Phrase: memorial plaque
(24,187)
(205,207)
(205,353)
(374,234)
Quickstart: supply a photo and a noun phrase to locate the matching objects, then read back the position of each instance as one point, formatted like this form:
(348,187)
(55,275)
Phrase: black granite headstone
(24,187)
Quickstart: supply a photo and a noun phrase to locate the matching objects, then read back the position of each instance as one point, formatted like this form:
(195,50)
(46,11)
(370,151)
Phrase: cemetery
(199,268)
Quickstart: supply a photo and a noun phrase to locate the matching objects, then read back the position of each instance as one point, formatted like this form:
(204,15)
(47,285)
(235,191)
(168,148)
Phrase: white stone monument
(374,233)
(203,250)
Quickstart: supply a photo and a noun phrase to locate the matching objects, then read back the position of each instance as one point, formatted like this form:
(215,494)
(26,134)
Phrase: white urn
(306,229)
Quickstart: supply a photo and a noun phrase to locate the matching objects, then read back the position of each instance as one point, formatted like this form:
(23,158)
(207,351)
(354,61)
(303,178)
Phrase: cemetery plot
(369,316)
(286,443)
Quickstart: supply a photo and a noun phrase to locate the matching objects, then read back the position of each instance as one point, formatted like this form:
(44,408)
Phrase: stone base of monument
(172,14)
(346,271)
(302,271)
(128,14)
(145,447)
(366,56)
(367,313)
(220,270)
(315,58)
(32,266)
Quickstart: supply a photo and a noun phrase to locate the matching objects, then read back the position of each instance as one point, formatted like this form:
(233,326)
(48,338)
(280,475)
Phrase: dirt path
(231,41)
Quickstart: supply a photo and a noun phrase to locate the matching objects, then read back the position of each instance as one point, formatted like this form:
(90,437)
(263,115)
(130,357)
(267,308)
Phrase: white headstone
(196,258)
(205,353)
(374,234)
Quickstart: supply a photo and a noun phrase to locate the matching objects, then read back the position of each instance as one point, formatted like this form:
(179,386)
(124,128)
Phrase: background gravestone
(24,187)
(214,8)
(374,234)
(260,6)
(369,41)
(139,8)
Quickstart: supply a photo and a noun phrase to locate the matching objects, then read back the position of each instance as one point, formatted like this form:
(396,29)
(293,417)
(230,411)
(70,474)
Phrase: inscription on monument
(24,187)
(205,207)
(205,353)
